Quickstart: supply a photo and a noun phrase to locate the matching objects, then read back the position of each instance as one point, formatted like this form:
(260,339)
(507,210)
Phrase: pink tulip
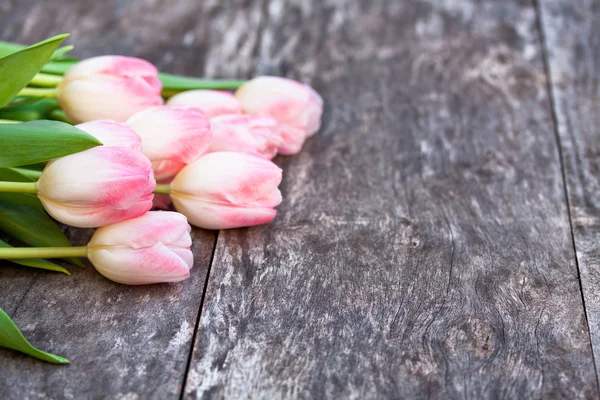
(212,102)
(227,190)
(109,87)
(112,134)
(172,137)
(245,133)
(97,187)
(297,108)
(152,248)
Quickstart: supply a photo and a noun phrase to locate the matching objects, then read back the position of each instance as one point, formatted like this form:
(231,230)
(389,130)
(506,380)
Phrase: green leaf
(7,48)
(33,227)
(59,67)
(12,338)
(36,167)
(21,101)
(19,175)
(25,199)
(36,262)
(35,141)
(17,69)
(61,52)
(28,112)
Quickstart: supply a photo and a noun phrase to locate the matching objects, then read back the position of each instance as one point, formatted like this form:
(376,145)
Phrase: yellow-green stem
(18,187)
(162,189)
(48,93)
(46,80)
(14,253)
(9,121)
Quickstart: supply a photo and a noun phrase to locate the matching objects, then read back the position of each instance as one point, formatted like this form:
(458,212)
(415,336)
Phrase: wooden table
(439,237)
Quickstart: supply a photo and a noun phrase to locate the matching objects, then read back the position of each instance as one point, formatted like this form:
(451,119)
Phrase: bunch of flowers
(111,143)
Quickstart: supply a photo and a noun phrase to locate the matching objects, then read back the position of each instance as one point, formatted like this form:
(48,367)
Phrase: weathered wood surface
(571,30)
(423,248)
(123,342)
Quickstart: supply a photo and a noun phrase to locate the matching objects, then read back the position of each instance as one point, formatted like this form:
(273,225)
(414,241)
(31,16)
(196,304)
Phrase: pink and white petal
(214,216)
(154,264)
(112,134)
(101,175)
(151,228)
(91,99)
(212,102)
(174,133)
(111,65)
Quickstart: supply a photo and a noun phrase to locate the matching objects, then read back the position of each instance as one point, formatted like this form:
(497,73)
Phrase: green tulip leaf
(28,111)
(35,167)
(18,69)
(19,175)
(59,53)
(7,48)
(12,338)
(20,101)
(25,199)
(59,67)
(33,227)
(35,141)
(36,262)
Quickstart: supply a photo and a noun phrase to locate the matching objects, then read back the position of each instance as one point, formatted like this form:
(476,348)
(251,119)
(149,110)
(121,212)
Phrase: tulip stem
(14,253)
(9,121)
(46,80)
(48,93)
(162,188)
(18,187)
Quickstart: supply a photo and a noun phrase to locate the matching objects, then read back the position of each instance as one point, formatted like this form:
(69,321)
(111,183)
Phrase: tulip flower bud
(112,134)
(211,102)
(245,133)
(108,87)
(172,137)
(227,190)
(152,248)
(297,108)
(97,187)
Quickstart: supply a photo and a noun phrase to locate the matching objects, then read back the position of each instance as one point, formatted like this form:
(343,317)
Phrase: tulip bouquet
(111,143)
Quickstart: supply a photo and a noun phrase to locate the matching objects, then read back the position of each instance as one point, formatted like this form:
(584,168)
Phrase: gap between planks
(553,110)
(198,316)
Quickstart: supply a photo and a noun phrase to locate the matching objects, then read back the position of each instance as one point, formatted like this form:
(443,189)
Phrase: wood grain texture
(123,342)
(573,47)
(423,248)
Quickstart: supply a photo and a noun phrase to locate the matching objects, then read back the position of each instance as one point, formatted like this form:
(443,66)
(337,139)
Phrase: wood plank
(423,248)
(573,46)
(123,342)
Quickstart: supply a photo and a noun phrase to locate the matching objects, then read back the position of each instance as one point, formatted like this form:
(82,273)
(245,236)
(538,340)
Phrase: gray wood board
(423,248)
(123,342)
(573,47)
